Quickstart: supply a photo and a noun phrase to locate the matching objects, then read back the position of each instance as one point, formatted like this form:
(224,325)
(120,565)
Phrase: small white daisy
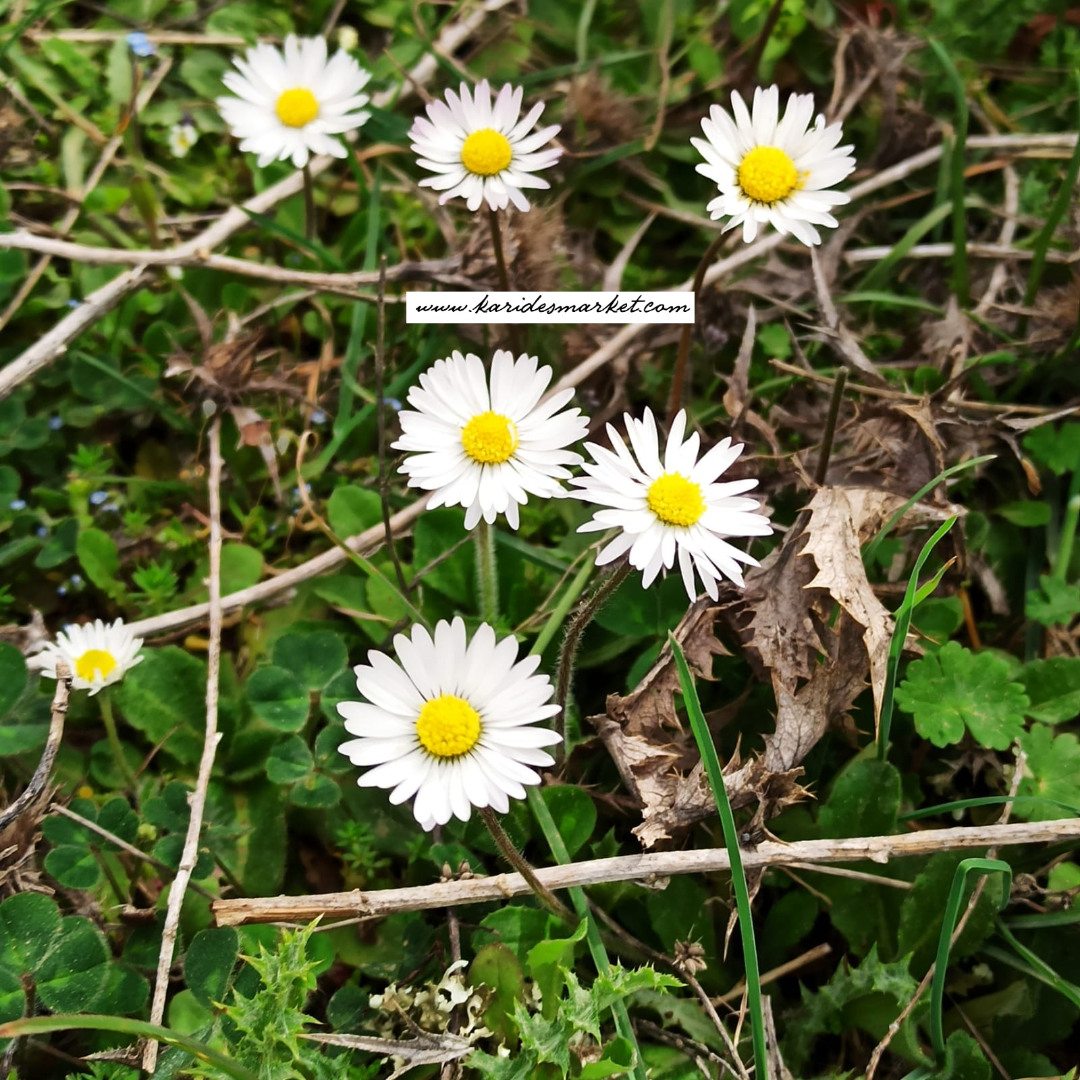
(669,507)
(98,655)
(488,449)
(451,723)
(292,104)
(182,137)
(482,151)
(774,171)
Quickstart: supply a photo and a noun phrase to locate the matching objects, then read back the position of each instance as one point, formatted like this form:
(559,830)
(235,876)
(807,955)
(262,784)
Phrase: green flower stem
(713,771)
(581,618)
(678,376)
(487,573)
(581,906)
(114,741)
(521,865)
(1069,523)
(513,330)
(562,608)
(309,204)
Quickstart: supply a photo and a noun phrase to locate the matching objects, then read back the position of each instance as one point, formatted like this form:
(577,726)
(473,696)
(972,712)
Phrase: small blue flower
(74,303)
(42,531)
(140,44)
(75,579)
(393,403)
(17,504)
(55,423)
(98,497)
(61,590)
(318,417)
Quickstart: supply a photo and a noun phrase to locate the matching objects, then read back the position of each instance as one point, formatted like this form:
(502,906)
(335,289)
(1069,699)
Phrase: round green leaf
(315,792)
(341,688)
(278,698)
(313,658)
(165,698)
(353,509)
(12,997)
(289,761)
(73,974)
(29,923)
(12,676)
(209,962)
(125,991)
(74,867)
(574,813)
(1053,688)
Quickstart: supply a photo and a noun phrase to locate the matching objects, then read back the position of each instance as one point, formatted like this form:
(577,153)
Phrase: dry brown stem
(650,868)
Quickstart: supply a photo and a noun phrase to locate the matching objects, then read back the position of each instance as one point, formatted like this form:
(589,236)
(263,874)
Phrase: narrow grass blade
(1040,968)
(592,931)
(1053,218)
(713,771)
(913,595)
(985,800)
(43,1025)
(952,914)
(959,220)
(871,548)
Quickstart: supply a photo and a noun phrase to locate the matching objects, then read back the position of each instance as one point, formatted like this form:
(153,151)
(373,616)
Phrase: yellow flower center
(486,152)
(768,175)
(448,726)
(490,438)
(95,664)
(676,500)
(297,107)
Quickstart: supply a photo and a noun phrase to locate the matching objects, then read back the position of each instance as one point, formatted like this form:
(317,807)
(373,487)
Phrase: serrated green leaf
(1052,771)
(1054,603)
(352,509)
(1053,688)
(956,687)
(1058,450)
(99,558)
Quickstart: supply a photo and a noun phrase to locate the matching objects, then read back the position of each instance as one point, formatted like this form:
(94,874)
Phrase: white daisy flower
(292,104)
(488,449)
(98,655)
(452,723)
(670,506)
(481,150)
(773,171)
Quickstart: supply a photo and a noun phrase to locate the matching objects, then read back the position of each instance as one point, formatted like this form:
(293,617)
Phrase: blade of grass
(713,771)
(959,220)
(879,274)
(44,1025)
(1040,968)
(592,932)
(913,595)
(952,913)
(985,800)
(872,546)
(1053,218)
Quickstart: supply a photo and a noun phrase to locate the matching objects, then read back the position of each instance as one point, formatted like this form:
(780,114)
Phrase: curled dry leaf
(817,665)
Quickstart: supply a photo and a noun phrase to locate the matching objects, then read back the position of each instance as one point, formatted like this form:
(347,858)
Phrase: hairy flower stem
(487,574)
(582,616)
(114,741)
(512,329)
(521,865)
(309,204)
(678,377)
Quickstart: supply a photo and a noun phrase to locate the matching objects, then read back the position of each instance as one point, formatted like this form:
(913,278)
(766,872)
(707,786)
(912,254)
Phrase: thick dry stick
(645,868)
(52,745)
(197,799)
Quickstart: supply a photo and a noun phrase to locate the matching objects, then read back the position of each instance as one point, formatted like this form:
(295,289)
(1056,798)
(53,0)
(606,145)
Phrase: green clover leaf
(956,687)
